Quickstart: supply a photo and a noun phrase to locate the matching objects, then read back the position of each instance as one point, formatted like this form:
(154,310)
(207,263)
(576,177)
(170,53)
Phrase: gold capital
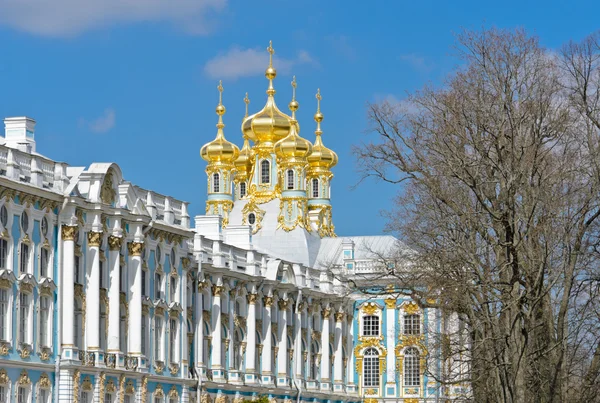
(268,301)
(252,299)
(68,232)
(115,242)
(339,316)
(217,290)
(94,238)
(283,304)
(135,248)
(326,313)
(390,303)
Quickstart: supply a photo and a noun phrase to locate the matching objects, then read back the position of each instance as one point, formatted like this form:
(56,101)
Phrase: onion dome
(293,146)
(243,163)
(220,150)
(321,156)
(269,125)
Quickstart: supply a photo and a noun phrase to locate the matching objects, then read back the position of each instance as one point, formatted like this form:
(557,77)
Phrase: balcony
(87,358)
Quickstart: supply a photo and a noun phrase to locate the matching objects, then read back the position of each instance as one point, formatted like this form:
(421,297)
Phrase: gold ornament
(135,248)
(94,239)
(115,242)
(44,381)
(390,303)
(68,232)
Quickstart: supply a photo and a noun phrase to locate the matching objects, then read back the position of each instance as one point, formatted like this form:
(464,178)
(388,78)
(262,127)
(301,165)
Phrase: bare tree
(500,198)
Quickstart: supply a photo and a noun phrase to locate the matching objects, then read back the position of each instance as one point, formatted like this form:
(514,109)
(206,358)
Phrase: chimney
(19,133)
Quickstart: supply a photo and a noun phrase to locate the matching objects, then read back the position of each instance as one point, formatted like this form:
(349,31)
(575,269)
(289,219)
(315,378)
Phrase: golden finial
(318,115)
(271,73)
(294,104)
(220,107)
(247,102)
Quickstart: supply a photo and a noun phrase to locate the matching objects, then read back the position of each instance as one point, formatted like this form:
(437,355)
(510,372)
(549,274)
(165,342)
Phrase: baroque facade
(108,293)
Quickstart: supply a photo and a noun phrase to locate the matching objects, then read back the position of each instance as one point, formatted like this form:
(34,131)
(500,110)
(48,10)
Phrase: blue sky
(134,82)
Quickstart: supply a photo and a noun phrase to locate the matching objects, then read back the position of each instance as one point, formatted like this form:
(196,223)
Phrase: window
(157,286)
(412,324)
(144,283)
(3,253)
(102,281)
(158,255)
(216,183)
(290,179)
(23,318)
(172,258)
(107,398)
(3,216)
(24,221)
(4,315)
(173,400)
(24,258)
(44,261)
(371,325)
(22,395)
(44,321)
(411,367)
(371,368)
(84,397)
(44,227)
(43,396)
(3,391)
(251,218)
(173,340)
(265,171)
(123,329)
(144,333)
(173,289)
(78,269)
(157,399)
(315,188)
(158,338)
(127,399)
(123,280)
(242,189)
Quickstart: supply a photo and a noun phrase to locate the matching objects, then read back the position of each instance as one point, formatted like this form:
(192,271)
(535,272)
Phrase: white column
(217,329)
(338,363)
(135,299)
(298,359)
(325,357)
(308,362)
(267,342)
(390,317)
(68,285)
(199,333)
(114,255)
(92,291)
(251,337)
(282,354)
(350,349)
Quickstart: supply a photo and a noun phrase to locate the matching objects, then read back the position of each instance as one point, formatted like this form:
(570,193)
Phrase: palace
(110,293)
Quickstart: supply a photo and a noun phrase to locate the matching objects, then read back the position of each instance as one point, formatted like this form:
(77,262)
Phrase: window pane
(3,314)
(315,188)
(216,183)
(371,368)
(265,174)
(3,254)
(371,325)
(412,367)
(23,316)
(44,257)
(412,324)
(24,258)
(290,179)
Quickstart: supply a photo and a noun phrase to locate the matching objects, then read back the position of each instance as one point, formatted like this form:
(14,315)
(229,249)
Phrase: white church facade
(112,293)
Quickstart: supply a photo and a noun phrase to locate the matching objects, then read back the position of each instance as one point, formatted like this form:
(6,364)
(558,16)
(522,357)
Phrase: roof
(365,247)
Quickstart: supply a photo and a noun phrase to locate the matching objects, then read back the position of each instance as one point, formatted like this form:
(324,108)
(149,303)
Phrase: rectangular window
(144,283)
(107,398)
(157,286)
(77,269)
(3,254)
(24,258)
(173,339)
(3,314)
(127,399)
(23,317)
(102,285)
(157,400)
(412,324)
(44,396)
(173,284)
(158,339)
(173,400)
(44,261)
(144,332)
(44,316)
(84,397)
(371,325)
(3,398)
(22,395)
(123,285)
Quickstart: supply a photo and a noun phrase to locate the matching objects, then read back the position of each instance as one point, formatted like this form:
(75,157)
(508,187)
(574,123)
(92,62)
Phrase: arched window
(412,324)
(313,368)
(216,183)
(265,172)
(242,189)
(371,368)
(411,367)
(371,325)
(290,179)
(315,188)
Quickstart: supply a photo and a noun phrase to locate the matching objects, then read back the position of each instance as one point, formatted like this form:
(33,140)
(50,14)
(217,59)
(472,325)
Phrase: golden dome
(269,125)
(293,146)
(321,156)
(220,150)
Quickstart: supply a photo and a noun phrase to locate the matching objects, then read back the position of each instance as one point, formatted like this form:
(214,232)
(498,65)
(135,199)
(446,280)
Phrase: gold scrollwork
(135,248)
(94,238)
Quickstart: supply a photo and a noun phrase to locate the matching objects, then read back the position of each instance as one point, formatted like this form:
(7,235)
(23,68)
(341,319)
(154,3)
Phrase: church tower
(220,155)
(319,176)
(291,155)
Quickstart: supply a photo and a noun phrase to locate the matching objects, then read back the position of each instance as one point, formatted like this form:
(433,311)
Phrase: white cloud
(237,63)
(102,124)
(417,62)
(72,17)
(405,106)
(341,44)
